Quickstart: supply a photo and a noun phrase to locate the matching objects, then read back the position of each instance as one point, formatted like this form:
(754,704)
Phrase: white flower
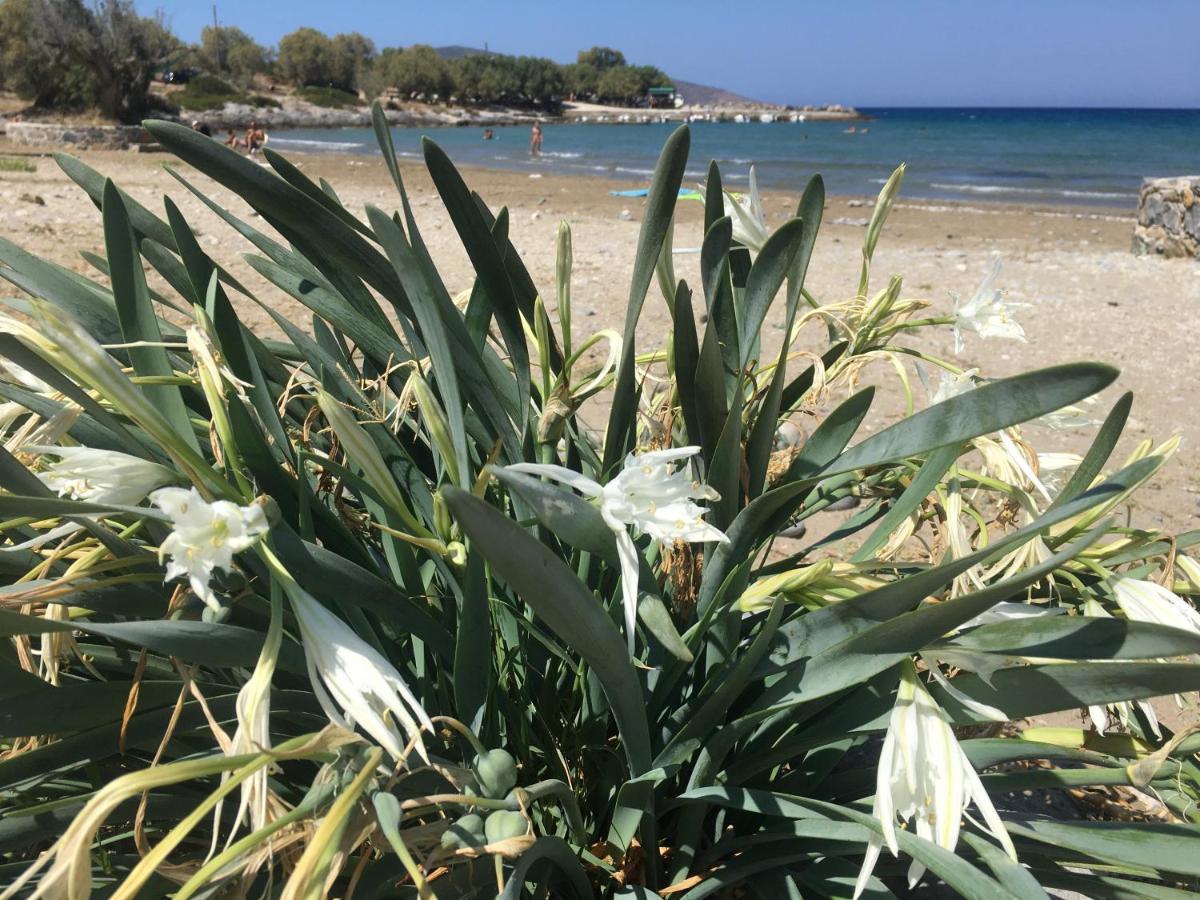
(651,497)
(952,385)
(924,776)
(1145,601)
(746,211)
(101,476)
(354,684)
(986,314)
(206,536)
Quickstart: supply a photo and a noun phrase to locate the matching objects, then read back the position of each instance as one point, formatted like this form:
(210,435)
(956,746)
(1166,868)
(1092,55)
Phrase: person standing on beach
(535,139)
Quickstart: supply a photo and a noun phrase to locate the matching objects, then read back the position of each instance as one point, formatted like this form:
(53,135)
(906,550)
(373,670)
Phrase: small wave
(319,145)
(1008,189)
(630,171)
(561,154)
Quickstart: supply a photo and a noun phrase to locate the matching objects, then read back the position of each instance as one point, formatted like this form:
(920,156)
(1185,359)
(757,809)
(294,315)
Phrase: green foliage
(67,53)
(207,92)
(331,97)
(383,464)
(413,71)
(232,53)
(308,58)
(601,58)
(16,164)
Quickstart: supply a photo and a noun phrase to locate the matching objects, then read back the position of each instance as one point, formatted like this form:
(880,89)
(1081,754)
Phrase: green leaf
(987,409)
(660,208)
(773,264)
(473,645)
(554,854)
(634,798)
(487,260)
(956,872)
(1106,439)
(990,408)
(78,706)
(298,217)
(206,643)
(136,315)
(1037,690)
(927,478)
(1077,637)
(564,603)
(1150,845)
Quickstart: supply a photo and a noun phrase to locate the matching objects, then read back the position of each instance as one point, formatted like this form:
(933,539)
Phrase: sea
(1043,156)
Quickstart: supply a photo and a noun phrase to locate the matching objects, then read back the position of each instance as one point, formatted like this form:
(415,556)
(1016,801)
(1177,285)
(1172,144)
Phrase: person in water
(255,138)
(535,139)
(488,134)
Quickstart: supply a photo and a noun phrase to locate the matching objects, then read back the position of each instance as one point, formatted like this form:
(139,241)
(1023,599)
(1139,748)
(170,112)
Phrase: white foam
(319,145)
(1045,192)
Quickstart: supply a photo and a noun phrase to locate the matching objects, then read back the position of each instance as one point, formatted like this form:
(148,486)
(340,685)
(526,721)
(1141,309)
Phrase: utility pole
(217,37)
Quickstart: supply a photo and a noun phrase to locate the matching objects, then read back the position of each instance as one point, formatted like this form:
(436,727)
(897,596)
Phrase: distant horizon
(1069,54)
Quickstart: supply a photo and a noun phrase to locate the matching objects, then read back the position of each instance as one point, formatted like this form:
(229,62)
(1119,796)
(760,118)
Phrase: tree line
(103,55)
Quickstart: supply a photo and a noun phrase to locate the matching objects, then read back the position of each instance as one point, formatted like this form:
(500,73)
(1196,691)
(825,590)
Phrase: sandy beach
(1089,297)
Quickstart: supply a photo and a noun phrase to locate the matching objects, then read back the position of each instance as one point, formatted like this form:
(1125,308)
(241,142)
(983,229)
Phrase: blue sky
(863,52)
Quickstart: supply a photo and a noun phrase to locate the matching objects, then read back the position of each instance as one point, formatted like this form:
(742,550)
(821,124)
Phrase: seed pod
(467,832)
(504,824)
(496,772)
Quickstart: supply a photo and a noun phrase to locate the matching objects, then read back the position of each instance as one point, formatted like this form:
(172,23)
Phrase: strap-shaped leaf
(990,408)
(1076,637)
(1147,845)
(297,216)
(921,486)
(1102,447)
(487,260)
(563,602)
(74,707)
(1037,690)
(136,315)
(772,265)
(207,643)
(958,874)
(660,208)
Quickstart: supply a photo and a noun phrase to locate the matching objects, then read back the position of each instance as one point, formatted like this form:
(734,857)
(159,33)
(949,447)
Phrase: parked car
(179,76)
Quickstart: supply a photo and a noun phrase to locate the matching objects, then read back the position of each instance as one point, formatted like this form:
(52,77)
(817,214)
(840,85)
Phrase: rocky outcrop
(1168,221)
(95,137)
(293,113)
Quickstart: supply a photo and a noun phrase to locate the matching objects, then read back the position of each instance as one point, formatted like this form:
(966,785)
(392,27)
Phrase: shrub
(207,92)
(331,97)
(532,660)
(16,164)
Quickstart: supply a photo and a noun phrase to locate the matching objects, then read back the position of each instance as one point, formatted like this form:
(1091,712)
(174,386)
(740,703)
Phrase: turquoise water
(1084,156)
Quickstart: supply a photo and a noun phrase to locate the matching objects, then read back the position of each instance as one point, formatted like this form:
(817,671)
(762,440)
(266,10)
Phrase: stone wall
(96,137)
(1168,221)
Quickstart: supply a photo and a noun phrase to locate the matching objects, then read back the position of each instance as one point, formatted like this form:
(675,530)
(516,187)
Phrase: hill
(703,95)
(454,51)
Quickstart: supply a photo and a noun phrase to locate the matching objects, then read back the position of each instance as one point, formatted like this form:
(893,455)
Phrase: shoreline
(858,205)
(1087,295)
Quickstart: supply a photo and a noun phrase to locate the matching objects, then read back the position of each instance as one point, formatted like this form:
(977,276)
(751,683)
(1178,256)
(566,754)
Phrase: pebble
(845,220)
(32,198)
(625,215)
